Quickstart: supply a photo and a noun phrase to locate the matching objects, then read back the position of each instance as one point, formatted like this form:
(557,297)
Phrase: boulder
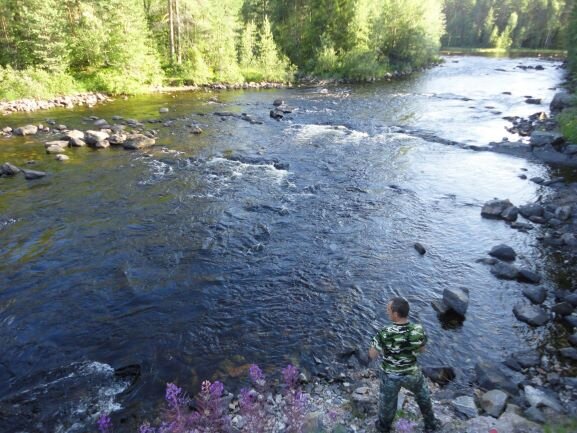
(76,142)
(440,307)
(538,398)
(571,320)
(75,133)
(493,402)
(531,314)
(61,157)
(571,298)
(569,352)
(26,130)
(509,422)
(537,220)
(457,299)
(490,376)
(510,214)
(95,137)
(530,210)
(563,212)
(573,339)
(276,114)
(101,123)
(104,144)
(521,226)
(569,239)
(163,110)
(440,375)
(7,130)
(466,405)
(543,138)
(117,139)
(535,415)
(8,169)
(534,101)
(524,359)
(562,308)
(363,401)
(278,102)
(560,101)
(138,141)
(494,208)
(33,174)
(504,271)
(55,149)
(528,276)
(536,295)
(570,149)
(503,252)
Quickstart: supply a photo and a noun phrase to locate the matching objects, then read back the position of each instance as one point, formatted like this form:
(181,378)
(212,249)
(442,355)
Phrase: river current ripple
(266,244)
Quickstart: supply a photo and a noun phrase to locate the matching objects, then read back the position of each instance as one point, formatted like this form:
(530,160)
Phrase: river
(194,264)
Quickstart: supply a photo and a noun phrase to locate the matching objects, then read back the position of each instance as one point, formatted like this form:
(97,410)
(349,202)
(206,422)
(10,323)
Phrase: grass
(567,120)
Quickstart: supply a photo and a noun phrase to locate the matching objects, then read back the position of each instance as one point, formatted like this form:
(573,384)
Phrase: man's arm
(373,353)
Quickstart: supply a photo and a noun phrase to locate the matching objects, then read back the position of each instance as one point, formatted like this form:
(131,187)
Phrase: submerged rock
(504,271)
(536,295)
(420,248)
(457,299)
(531,314)
(503,252)
(33,174)
(26,130)
(528,276)
(8,169)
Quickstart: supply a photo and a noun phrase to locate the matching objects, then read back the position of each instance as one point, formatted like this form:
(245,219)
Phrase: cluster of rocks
(525,126)
(10,170)
(28,105)
(280,109)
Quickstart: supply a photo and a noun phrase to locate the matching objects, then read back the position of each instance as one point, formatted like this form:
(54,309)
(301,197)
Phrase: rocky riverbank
(30,105)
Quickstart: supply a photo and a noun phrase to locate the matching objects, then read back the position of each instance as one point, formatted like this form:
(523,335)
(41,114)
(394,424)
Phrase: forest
(51,47)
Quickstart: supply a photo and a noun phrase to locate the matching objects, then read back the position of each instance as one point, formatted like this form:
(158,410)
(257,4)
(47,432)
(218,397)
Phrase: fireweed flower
(256,375)
(290,376)
(216,389)
(403,425)
(104,424)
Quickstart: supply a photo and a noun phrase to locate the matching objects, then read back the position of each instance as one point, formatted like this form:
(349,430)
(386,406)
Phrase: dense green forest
(507,23)
(50,47)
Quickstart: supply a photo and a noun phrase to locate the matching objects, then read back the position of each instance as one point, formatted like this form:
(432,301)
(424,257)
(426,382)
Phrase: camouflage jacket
(399,345)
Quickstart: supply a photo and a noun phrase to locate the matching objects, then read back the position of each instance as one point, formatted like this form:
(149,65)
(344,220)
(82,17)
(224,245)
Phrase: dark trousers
(390,386)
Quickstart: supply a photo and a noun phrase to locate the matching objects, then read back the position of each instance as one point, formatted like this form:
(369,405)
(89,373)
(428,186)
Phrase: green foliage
(568,124)
(569,426)
(35,83)
(572,40)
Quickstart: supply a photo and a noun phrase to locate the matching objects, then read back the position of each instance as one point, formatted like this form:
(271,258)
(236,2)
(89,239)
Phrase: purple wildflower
(403,425)
(290,376)
(256,375)
(146,428)
(104,424)
(216,389)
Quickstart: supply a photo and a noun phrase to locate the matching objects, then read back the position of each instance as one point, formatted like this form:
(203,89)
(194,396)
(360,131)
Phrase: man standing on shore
(399,345)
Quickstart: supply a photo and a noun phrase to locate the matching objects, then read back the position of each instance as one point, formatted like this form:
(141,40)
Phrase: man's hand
(373,353)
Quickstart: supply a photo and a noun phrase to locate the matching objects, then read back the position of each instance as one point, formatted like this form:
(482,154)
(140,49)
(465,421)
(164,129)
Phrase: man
(399,345)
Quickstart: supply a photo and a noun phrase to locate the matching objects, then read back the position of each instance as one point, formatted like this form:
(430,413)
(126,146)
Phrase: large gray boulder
(466,406)
(490,376)
(536,295)
(74,134)
(531,314)
(524,359)
(543,138)
(563,212)
(503,252)
(8,169)
(138,141)
(560,101)
(528,276)
(538,398)
(95,138)
(457,299)
(493,402)
(569,239)
(26,130)
(504,271)
(495,208)
(530,210)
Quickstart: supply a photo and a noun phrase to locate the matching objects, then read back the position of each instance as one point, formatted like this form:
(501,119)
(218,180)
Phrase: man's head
(398,309)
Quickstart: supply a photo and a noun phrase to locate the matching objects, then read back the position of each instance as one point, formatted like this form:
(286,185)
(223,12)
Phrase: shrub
(35,83)
(568,124)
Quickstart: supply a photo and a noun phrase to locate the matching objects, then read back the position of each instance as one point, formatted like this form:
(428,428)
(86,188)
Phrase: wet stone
(8,169)
(569,352)
(528,276)
(440,375)
(531,314)
(525,359)
(457,299)
(530,210)
(33,174)
(571,320)
(562,308)
(535,415)
(503,252)
(536,295)
(494,208)
(465,405)
(538,398)
(504,271)
(491,376)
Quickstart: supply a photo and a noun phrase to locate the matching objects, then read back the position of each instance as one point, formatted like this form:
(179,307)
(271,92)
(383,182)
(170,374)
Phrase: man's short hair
(400,306)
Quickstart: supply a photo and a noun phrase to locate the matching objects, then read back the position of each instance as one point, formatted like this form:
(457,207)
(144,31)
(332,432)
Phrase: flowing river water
(260,243)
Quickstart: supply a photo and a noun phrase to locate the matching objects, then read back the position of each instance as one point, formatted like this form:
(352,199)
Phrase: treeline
(507,23)
(52,47)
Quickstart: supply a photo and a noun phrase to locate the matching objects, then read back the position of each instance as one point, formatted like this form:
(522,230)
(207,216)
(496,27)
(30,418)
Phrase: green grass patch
(567,120)
(568,426)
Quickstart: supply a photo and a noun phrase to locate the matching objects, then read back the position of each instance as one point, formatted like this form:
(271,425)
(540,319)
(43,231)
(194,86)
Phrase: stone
(420,248)
(61,157)
(138,141)
(104,144)
(563,212)
(76,142)
(457,299)
(536,295)
(504,271)
(528,276)
(8,169)
(278,102)
(494,208)
(538,398)
(487,260)
(560,101)
(573,339)
(440,307)
(55,149)
(503,252)
(524,359)
(535,415)
(537,220)
(95,137)
(101,123)
(537,179)
(543,138)
(493,402)
(531,314)
(510,214)
(571,320)
(490,376)
(33,174)
(466,406)
(75,133)
(570,149)
(569,352)
(530,210)
(569,239)
(196,130)
(562,308)
(440,375)
(509,422)
(521,226)
(26,130)
(117,139)
(534,101)
(363,401)
(163,110)
(571,298)
(276,114)
(7,130)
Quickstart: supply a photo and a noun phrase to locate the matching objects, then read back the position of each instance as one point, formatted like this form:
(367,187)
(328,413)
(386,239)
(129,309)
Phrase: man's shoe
(435,427)
(380,428)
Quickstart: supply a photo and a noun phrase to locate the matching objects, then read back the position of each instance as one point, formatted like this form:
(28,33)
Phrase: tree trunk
(178,38)
(171,26)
